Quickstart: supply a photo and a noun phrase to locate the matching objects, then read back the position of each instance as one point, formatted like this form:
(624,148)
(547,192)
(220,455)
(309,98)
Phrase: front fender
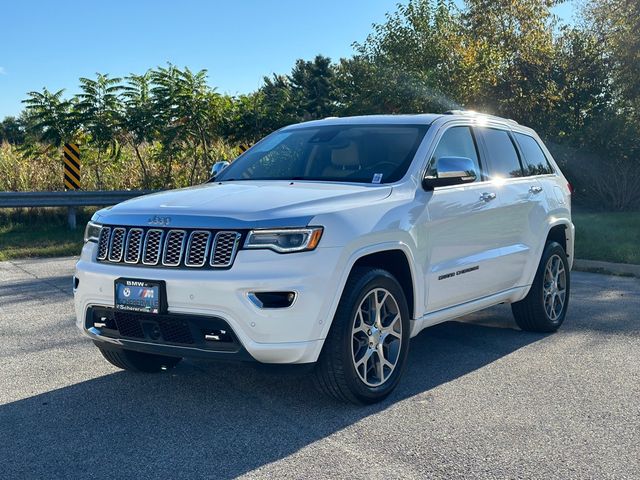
(351,256)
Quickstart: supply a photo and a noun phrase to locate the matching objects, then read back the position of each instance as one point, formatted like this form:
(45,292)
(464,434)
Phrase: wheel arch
(559,230)
(397,261)
(562,231)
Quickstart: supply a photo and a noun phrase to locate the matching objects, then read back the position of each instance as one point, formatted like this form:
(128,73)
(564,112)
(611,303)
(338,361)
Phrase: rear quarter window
(535,161)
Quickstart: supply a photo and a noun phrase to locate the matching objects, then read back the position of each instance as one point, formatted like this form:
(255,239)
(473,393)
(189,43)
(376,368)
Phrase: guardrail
(71,199)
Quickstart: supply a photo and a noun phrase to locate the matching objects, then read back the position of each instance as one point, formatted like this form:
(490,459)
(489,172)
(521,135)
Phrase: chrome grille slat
(116,245)
(173,248)
(133,246)
(225,245)
(197,248)
(152,246)
(176,248)
(103,243)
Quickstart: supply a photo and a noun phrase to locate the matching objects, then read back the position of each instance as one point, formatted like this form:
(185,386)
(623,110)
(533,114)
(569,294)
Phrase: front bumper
(280,335)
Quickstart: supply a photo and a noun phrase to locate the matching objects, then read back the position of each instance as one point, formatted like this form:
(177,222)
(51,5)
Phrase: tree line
(577,84)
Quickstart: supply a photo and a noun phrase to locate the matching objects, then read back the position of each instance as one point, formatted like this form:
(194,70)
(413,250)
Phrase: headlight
(92,232)
(285,240)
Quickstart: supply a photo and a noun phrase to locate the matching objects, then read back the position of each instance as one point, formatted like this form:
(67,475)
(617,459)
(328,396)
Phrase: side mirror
(218,167)
(450,171)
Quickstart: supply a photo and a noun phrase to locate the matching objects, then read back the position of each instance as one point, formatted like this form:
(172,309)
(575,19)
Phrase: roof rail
(474,113)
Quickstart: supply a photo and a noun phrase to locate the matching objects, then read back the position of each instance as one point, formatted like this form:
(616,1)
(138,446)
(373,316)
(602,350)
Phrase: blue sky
(52,44)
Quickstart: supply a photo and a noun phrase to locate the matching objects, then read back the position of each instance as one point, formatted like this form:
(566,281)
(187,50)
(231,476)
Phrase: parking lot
(480,399)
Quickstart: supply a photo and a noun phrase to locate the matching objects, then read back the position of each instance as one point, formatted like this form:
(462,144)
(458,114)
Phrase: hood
(243,204)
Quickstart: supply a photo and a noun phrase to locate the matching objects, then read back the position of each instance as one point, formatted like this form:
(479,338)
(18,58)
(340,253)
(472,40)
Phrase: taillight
(570,187)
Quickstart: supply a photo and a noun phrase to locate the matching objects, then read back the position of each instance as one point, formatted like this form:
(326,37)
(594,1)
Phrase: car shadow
(47,290)
(218,420)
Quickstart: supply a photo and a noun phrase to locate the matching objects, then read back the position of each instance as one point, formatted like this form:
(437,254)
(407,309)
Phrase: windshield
(338,153)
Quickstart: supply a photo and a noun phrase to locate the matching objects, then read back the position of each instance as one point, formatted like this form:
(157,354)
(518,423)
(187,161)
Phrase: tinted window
(347,153)
(535,161)
(502,153)
(456,142)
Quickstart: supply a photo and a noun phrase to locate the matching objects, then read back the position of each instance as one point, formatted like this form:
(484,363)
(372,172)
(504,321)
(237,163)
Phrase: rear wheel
(139,361)
(365,352)
(545,306)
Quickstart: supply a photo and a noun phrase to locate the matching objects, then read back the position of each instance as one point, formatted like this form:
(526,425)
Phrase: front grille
(134,245)
(103,243)
(152,247)
(173,248)
(168,247)
(197,249)
(225,246)
(117,244)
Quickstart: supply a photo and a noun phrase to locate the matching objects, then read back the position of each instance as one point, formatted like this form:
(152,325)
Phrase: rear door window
(535,161)
(502,155)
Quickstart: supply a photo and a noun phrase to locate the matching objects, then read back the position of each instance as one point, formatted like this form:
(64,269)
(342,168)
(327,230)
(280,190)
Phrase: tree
(581,73)
(617,25)
(189,115)
(196,103)
(51,117)
(410,62)
(313,87)
(11,131)
(279,102)
(99,110)
(139,120)
(514,43)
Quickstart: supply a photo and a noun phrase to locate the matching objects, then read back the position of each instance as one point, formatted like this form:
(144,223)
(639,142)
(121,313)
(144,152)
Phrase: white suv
(331,243)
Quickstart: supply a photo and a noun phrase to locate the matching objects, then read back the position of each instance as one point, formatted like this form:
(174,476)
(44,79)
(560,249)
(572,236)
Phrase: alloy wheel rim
(376,338)
(554,290)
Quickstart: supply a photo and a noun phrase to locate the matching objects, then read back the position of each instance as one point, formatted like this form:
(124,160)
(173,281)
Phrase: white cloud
(2,71)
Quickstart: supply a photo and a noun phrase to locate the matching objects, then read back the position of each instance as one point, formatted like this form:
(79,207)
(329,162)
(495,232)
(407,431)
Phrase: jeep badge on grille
(159,221)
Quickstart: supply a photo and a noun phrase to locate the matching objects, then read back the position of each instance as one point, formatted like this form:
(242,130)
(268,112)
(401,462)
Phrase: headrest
(346,156)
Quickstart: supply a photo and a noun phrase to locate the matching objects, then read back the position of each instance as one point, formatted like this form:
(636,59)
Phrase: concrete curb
(595,266)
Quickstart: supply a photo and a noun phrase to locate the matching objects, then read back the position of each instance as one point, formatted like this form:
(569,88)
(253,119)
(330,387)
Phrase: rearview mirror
(218,167)
(450,171)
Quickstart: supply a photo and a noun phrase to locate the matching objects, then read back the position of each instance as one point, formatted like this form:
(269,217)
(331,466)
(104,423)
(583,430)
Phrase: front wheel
(366,349)
(545,306)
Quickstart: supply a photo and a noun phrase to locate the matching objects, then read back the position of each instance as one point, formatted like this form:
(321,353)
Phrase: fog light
(272,299)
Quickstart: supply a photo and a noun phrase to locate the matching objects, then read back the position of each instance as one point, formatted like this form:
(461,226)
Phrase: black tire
(139,361)
(335,373)
(532,312)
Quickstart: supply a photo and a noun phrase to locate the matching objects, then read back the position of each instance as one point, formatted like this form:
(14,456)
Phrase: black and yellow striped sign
(71,166)
(244,147)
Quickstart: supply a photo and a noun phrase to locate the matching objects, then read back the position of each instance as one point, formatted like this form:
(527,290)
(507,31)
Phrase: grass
(612,237)
(608,236)
(40,233)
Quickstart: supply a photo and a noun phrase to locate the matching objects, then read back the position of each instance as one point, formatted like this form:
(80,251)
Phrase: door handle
(487,197)
(535,189)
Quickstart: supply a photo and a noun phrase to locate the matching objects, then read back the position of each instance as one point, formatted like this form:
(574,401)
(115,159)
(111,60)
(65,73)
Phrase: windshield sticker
(377,178)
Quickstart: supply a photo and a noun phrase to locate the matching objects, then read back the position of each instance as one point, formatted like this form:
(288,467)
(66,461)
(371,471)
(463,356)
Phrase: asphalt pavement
(479,399)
